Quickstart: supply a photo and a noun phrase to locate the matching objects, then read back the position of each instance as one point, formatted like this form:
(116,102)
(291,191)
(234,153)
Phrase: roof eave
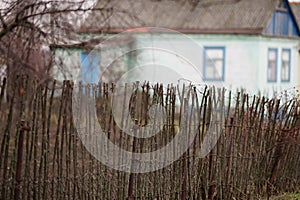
(249,31)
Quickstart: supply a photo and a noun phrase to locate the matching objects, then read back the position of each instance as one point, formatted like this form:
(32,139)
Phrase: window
(285,65)
(214,63)
(90,67)
(272,65)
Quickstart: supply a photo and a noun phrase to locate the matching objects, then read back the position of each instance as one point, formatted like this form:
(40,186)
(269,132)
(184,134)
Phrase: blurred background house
(244,44)
(296,11)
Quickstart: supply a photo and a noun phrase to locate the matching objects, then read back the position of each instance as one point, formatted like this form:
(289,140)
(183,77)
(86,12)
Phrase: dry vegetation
(42,156)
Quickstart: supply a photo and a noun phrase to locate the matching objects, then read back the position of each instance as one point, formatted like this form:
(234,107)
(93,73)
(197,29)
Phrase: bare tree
(27,28)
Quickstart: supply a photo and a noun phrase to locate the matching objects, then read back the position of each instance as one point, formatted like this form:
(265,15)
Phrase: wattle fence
(42,156)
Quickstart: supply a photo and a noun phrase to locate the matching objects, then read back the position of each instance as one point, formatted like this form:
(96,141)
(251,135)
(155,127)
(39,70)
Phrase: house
(243,44)
(296,11)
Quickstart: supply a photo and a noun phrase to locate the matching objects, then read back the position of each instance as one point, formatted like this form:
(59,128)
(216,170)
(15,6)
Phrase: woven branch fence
(42,156)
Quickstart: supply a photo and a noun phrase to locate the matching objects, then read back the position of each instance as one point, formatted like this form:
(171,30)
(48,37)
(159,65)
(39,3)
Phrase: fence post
(184,156)
(132,175)
(3,87)
(23,128)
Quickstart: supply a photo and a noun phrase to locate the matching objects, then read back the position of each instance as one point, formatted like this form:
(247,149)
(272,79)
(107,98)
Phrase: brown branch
(23,15)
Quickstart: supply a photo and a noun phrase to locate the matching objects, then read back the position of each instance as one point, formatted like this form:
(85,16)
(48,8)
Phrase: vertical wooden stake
(23,128)
(184,182)
(132,175)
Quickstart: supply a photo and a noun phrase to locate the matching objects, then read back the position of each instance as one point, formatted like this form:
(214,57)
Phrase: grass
(287,196)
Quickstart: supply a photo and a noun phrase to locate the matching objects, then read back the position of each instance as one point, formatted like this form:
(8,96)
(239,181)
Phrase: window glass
(272,65)
(214,63)
(285,65)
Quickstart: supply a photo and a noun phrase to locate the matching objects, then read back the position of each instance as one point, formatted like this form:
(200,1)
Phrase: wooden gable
(283,22)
